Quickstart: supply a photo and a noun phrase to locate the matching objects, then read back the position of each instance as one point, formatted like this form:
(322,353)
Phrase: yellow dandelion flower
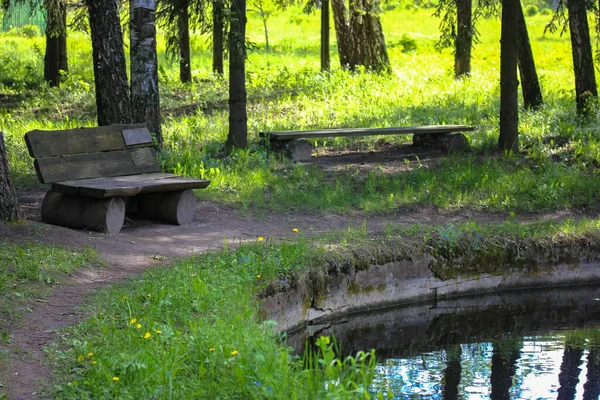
(133,321)
(295,230)
(149,295)
(93,362)
(138,326)
(261,239)
(258,276)
(233,353)
(147,335)
(124,298)
(90,355)
(212,349)
(159,332)
(81,358)
(115,378)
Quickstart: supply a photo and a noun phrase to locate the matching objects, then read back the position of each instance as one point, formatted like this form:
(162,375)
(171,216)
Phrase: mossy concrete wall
(406,282)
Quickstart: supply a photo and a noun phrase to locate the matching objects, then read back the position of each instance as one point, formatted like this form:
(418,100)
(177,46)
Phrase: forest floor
(145,244)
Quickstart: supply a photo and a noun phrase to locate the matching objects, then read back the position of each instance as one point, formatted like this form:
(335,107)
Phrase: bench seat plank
(94,165)
(428,129)
(43,144)
(130,185)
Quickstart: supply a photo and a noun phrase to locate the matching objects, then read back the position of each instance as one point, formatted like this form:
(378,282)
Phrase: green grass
(28,271)
(193,331)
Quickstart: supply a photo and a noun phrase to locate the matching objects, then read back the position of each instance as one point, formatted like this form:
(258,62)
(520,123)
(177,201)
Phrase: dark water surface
(537,344)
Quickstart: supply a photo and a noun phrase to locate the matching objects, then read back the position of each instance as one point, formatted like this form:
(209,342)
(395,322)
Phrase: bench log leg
(103,215)
(447,143)
(296,149)
(174,207)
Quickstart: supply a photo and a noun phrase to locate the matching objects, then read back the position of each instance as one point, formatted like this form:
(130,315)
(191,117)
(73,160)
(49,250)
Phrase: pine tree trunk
(464,38)
(325,58)
(583,63)
(238,120)
(9,208)
(183,27)
(509,84)
(63,61)
(145,100)
(110,71)
(530,84)
(218,31)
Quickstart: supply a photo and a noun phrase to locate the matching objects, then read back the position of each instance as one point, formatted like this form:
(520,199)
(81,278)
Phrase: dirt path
(143,244)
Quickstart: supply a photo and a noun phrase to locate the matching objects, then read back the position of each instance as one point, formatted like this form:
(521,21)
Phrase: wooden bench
(443,137)
(98,174)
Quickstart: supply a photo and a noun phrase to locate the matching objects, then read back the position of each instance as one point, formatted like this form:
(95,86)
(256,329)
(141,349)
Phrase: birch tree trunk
(9,209)
(238,119)
(110,71)
(145,100)
(583,63)
(509,84)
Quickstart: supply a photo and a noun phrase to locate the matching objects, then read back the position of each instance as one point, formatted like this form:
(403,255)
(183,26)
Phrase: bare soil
(144,244)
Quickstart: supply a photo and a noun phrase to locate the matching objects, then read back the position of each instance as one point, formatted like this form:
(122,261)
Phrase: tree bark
(464,38)
(9,208)
(325,58)
(183,31)
(63,59)
(218,32)
(360,35)
(110,71)
(55,30)
(509,111)
(145,100)
(583,63)
(530,84)
(238,119)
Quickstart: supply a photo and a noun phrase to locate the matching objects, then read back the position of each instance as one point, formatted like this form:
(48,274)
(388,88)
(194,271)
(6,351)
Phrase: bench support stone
(103,215)
(447,143)
(173,207)
(296,149)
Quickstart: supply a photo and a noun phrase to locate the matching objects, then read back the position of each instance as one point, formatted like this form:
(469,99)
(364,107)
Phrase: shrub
(29,31)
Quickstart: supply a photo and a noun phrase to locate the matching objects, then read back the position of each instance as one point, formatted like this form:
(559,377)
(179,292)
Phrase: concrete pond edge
(409,282)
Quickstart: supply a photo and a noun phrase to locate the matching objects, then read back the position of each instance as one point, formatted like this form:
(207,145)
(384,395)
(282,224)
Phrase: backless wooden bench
(443,137)
(98,174)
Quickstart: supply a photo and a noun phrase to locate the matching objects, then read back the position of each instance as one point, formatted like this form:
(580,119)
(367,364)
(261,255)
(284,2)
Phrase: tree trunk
(360,35)
(54,30)
(63,59)
(110,71)
(464,38)
(583,63)
(9,208)
(509,107)
(145,100)
(568,378)
(530,84)
(343,32)
(218,31)
(452,373)
(183,28)
(325,58)
(264,20)
(238,119)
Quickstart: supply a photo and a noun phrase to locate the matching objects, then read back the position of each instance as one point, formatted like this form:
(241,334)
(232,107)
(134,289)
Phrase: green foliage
(174,334)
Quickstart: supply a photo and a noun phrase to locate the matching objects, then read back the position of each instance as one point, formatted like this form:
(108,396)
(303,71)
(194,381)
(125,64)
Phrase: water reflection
(533,345)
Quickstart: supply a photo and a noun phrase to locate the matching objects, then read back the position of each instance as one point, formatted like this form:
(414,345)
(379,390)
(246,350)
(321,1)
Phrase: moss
(353,289)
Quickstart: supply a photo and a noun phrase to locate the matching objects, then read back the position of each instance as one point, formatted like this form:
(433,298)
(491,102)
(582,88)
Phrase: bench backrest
(82,153)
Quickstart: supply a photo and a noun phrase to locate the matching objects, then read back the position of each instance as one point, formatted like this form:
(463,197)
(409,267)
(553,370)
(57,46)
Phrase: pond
(536,344)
